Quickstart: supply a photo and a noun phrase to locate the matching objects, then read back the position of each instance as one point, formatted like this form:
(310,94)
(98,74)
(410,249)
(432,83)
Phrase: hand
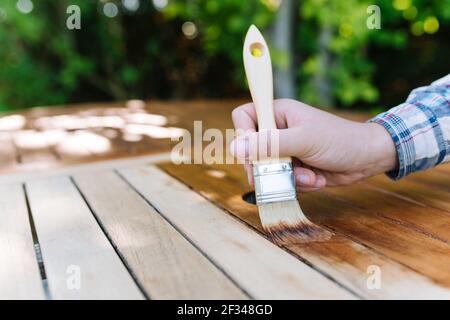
(327,150)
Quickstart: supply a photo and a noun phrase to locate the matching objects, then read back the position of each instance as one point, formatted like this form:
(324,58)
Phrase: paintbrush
(279,210)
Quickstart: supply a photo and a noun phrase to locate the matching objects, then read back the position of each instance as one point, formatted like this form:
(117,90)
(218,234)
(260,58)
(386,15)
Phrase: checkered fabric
(420,128)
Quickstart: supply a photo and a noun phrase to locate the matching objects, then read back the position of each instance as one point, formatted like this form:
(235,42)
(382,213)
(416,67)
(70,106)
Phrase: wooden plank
(164,262)
(433,178)
(432,197)
(19,271)
(33,147)
(262,269)
(424,254)
(104,118)
(83,167)
(412,214)
(73,149)
(444,168)
(8,156)
(73,244)
(341,258)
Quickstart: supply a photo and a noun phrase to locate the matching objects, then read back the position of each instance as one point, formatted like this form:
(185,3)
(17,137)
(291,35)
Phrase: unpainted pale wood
(19,271)
(345,260)
(72,244)
(262,269)
(164,262)
(83,167)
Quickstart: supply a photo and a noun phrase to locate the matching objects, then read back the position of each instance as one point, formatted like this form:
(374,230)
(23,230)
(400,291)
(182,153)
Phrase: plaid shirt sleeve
(420,128)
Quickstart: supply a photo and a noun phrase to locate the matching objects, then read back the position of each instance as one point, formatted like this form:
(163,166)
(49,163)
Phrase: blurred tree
(193,48)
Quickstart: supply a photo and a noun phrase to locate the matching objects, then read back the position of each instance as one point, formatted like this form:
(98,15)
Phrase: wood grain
(262,269)
(406,212)
(111,121)
(19,271)
(433,197)
(72,244)
(344,257)
(164,262)
(433,178)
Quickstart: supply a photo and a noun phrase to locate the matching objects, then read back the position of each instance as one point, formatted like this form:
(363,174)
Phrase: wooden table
(143,227)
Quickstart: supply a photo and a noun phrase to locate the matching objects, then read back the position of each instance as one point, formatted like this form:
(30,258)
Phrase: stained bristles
(285,223)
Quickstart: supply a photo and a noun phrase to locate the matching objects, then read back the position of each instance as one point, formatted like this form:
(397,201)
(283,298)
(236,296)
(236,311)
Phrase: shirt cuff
(417,136)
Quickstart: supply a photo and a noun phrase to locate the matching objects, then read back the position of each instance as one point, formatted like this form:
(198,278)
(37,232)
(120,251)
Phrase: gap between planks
(165,263)
(81,168)
(342,257)
(19,273)
(264,270)
(73,244)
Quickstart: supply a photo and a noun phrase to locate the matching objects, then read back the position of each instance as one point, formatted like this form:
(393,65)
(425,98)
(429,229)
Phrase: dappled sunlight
(93,142)
(30,139)
(131,137)
(110,133)
(216,173)
(74,122)
(87,132)
(135,104)
(145,118)
(81,143)
(12,122)
(105,121)
(154,131)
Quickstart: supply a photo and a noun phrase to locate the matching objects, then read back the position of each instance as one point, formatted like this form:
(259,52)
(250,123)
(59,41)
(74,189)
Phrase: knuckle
(236,112)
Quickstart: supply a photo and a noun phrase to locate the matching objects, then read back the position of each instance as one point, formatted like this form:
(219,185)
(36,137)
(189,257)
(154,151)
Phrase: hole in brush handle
(257,49)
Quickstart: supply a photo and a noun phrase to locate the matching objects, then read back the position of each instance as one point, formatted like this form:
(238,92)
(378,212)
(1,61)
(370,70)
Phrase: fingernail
(303,179)
(239,148)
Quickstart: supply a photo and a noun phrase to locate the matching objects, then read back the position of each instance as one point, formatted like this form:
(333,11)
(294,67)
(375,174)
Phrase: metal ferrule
(274,182)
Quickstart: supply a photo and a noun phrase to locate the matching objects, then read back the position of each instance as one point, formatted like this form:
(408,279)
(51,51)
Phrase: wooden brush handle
(258,68)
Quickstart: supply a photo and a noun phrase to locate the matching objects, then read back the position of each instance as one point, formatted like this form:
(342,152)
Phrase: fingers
(249,170)
(306,180)
(244,118)
(250,146)
(253,146)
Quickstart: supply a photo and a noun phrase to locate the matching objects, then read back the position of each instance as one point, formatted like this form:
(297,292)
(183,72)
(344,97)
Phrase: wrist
(383,151)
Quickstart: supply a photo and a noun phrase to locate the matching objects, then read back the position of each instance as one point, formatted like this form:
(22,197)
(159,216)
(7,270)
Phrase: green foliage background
(144,54)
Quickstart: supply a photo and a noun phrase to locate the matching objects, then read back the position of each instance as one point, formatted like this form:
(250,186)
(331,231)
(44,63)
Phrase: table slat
(8,155)
(164,262)
(432,197)
(262,269)
(19,272)
(411,214)
(72,244)
(433,178)
(341,258)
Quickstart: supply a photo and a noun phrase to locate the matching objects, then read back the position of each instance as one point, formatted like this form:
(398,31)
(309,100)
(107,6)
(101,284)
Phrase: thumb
(267,144)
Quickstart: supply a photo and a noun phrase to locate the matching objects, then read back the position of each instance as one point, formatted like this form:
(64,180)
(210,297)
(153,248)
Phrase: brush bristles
(285,223)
